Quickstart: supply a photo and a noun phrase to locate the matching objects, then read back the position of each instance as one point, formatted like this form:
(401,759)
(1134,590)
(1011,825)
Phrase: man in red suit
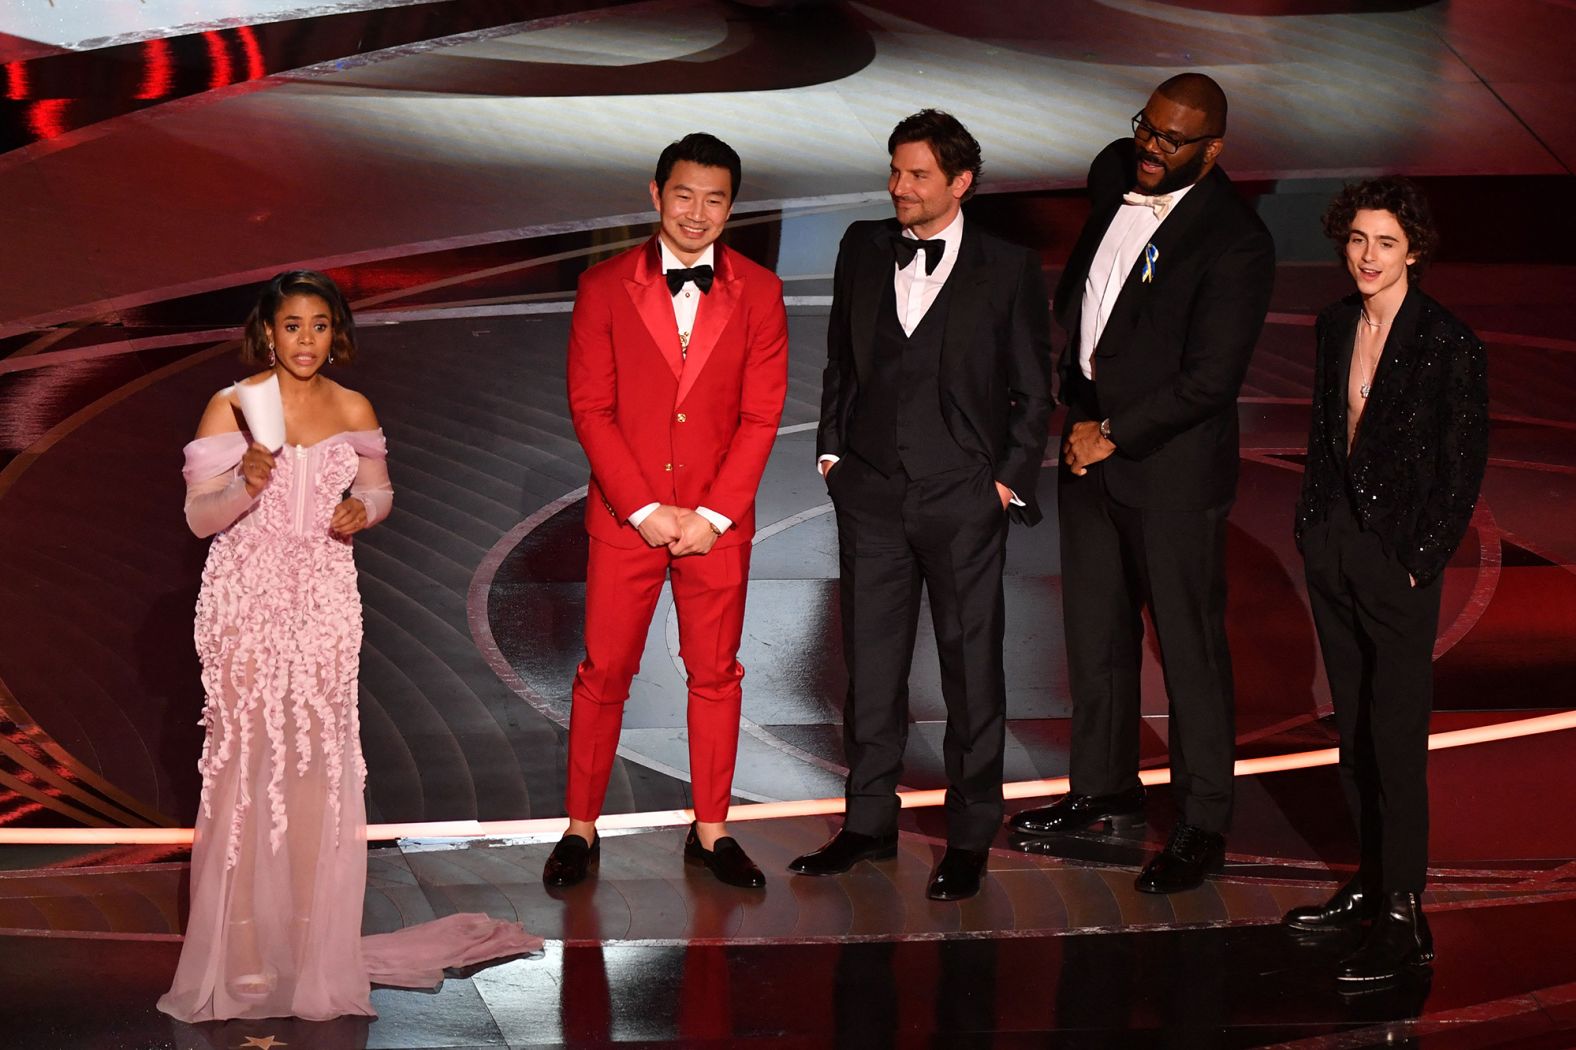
(678,366)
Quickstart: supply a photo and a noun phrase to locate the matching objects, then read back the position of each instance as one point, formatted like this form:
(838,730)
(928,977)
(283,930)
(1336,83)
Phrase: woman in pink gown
(279,862)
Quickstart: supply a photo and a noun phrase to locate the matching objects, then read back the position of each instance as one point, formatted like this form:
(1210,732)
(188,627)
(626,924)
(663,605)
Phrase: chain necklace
(1367,387)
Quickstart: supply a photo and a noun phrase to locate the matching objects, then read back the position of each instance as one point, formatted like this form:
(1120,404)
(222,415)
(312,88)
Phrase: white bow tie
(1159,204)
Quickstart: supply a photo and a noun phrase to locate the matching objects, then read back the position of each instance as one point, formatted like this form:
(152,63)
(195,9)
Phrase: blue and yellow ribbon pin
(1151,256)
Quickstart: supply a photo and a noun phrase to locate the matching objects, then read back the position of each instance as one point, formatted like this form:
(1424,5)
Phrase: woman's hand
(257,466)
(349,517)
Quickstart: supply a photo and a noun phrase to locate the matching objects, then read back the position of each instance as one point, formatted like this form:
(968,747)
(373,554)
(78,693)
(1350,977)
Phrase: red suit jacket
(662,428)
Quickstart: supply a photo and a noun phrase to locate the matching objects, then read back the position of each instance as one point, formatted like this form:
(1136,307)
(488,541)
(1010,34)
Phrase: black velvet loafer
(726,859)
(571,860)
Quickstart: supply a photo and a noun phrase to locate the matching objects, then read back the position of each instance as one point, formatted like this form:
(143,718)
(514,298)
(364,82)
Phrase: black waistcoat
(897,421)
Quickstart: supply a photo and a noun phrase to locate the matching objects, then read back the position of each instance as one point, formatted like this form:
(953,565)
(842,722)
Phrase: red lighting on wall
(158,70)
(255,67)
(223,71)
(16,81)
(24,809)
(47,118)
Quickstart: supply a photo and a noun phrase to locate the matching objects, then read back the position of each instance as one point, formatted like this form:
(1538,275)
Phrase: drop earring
(270,355)
(331,357)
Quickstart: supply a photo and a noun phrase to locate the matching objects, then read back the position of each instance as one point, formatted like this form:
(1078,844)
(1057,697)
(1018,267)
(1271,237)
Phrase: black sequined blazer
(1416,465)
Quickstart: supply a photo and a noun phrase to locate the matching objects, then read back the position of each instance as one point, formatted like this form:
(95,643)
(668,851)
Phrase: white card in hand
(264,411)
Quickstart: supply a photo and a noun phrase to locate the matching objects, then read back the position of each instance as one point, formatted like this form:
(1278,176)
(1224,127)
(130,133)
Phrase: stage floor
(460,211)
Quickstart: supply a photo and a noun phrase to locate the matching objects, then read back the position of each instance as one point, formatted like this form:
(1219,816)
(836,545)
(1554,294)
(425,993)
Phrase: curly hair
(956,150)
(1400,197)
(255,349)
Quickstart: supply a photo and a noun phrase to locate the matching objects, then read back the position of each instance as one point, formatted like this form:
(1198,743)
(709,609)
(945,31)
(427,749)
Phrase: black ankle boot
(1399,940)
(1348,909)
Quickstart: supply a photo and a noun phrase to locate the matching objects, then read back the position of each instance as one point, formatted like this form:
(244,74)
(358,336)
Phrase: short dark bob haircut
(1396,195)
(955,149)
(254,341)
(700,148)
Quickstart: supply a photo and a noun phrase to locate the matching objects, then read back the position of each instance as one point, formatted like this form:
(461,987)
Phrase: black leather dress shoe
(1079,812)
(958,875)
(843,850)
(726,859)
(1348,909)
(1191,854)
(1398,941)
(571,860)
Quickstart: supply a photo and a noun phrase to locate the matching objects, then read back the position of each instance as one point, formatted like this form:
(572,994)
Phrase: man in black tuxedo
(1163,299)
(935,406)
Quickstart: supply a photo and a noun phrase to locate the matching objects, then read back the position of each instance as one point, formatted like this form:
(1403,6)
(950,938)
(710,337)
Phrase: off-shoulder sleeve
(216,495)
(372,486)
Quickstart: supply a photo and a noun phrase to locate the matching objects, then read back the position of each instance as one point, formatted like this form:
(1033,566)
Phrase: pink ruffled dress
(279,863)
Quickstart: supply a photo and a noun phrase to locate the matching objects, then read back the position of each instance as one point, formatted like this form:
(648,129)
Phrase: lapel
(711,318)
(868,289)
(649,292)
(1341,337)
(1076,274)
(968,273)
(1168,240)
(1395,364)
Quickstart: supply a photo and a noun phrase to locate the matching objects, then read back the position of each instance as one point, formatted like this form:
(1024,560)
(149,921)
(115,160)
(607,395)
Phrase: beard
(1185,175)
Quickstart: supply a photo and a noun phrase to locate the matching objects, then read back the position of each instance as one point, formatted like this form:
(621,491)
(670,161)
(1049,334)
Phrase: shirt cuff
(642,514)
(826,458)
(720,523)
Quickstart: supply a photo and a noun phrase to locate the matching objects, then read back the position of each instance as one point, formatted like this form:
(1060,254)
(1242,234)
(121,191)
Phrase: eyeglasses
(1142,129)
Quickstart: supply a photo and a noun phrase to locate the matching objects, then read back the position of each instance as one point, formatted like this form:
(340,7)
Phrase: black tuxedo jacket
(1416,466)
(995,377)
(1172,356)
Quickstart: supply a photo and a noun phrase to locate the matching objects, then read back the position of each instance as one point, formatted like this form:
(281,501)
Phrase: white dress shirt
(687,299)
(916,290)
(686,302)
(1131,229)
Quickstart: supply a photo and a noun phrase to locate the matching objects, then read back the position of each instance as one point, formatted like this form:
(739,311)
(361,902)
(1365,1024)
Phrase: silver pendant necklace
(1367,387)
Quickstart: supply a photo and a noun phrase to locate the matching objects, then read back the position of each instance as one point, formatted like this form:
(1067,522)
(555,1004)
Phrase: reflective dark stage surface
(455,166)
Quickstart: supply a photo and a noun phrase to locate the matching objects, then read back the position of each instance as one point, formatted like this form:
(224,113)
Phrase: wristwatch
(1105,429)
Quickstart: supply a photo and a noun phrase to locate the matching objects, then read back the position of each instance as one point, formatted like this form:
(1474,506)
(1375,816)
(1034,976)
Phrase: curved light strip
(488,829)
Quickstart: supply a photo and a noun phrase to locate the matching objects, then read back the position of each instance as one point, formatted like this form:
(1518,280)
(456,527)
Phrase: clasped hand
(679,529)
(1085,446)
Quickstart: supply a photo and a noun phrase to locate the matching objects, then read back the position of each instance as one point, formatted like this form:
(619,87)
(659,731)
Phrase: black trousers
(948,533)
(1377,634)
(1115,560)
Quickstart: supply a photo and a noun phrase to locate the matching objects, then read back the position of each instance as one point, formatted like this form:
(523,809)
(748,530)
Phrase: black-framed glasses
(1142,129)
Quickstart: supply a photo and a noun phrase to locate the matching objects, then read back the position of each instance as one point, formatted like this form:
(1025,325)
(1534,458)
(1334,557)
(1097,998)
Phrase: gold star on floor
(263,1042)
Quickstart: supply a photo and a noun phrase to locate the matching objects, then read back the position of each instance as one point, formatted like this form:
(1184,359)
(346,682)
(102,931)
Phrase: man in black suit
(1162,300)
(935,407)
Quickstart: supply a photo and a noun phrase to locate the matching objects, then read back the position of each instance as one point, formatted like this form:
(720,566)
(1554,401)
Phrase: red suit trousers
(622,586)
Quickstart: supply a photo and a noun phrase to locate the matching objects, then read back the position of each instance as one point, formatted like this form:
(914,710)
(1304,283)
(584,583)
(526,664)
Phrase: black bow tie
(905,248)
(701,275)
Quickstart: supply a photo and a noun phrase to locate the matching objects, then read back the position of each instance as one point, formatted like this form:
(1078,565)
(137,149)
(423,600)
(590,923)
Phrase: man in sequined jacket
(1396,453)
